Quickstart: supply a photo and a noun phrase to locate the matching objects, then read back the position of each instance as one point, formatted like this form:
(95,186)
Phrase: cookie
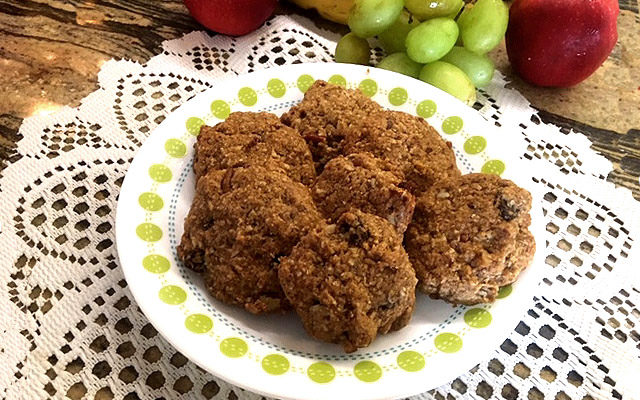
(469,237)
(350,281)
(245,139)
(245,222)
(409,143)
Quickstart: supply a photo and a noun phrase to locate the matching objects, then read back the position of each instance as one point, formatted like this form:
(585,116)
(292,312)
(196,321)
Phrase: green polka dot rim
(172,295)
(234,347)
(321,372)
(338,79)
(368,87)
(367,371)
(304,82)
(156,264)
(411,361)
(426,108)
(228,340)
(198,323)
(276,88)
(160,173)
(149,232)
(477,318)
(504,291)
(495,167)
(448,342)
(452,125)
(193,125)
(247,96)
(275,364)
(220,109)
(150,201)
(475,145)
(398,96)
(175,148)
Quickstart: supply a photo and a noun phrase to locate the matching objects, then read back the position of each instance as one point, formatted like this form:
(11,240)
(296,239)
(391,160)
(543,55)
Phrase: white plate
(272,354)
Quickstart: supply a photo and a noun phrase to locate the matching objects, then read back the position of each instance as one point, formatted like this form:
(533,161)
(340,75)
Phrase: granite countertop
(51,52)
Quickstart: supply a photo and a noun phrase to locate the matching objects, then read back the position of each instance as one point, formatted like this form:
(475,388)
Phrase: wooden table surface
(51,52)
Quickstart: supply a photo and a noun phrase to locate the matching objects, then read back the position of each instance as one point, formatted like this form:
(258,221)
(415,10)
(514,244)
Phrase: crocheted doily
(70,327)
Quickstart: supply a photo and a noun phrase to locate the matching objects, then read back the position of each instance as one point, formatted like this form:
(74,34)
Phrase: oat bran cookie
(251,219)
(408,142)
(350,281)
(469,237)
(248,138)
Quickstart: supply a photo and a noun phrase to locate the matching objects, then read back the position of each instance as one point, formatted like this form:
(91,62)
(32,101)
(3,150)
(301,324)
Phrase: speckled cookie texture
(469,236)
(408,142)
(196,226)
(325,115)
(360,181)
(247,138)
(248,219)
(350,281)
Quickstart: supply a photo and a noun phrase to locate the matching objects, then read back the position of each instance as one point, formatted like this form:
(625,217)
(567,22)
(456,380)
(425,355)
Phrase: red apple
(560,43)
(231,17)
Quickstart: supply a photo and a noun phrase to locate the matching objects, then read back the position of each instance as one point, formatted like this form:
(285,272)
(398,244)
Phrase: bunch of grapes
(441,42)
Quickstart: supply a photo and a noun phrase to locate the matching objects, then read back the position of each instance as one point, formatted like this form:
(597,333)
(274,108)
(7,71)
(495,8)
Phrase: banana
(333,10)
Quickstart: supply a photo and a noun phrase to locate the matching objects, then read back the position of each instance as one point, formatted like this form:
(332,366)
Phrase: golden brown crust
(196,225)
(350,281)
(247,138)
(252,218)
(469,237)
(360,181)
(408,142)
(324,116)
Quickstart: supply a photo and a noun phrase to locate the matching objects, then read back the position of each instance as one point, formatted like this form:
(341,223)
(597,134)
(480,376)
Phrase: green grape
(483,25)
(352,49)
(431,40)
(368,18)
(449,78)
(401,63)
(426,9)
(478,67)
(392,40)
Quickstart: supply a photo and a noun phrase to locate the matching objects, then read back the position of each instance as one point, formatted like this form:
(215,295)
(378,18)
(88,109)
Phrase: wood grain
(51,52)
(623,150)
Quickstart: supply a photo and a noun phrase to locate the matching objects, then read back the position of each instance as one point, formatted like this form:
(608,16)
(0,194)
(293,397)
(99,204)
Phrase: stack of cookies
(340,209)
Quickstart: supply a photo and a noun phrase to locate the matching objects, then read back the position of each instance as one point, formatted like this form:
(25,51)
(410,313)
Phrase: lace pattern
(70,327)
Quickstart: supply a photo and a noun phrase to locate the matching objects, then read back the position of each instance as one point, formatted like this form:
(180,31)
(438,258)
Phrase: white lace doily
(70,327)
